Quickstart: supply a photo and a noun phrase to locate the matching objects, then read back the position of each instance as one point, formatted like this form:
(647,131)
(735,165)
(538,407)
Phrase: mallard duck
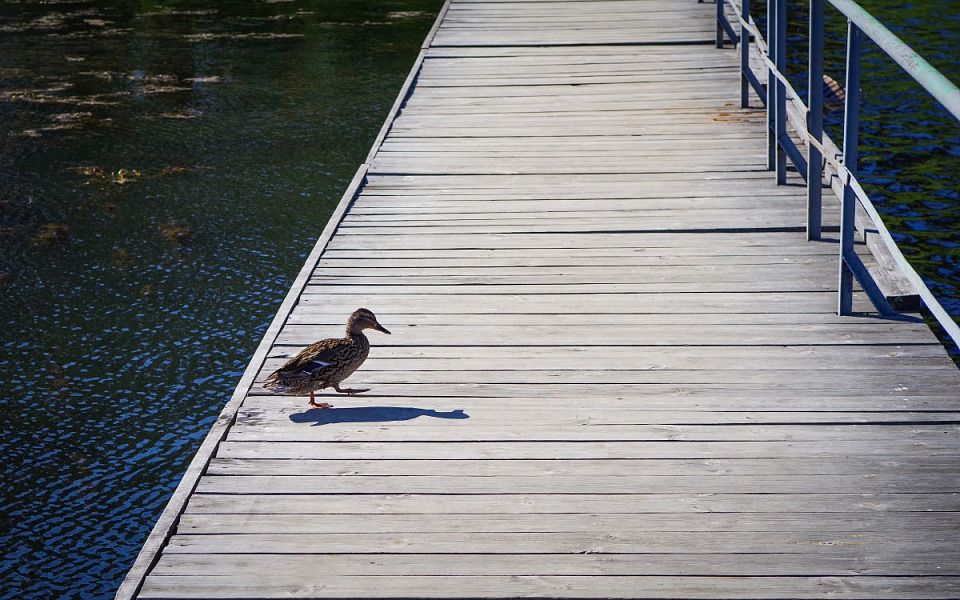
(328,362)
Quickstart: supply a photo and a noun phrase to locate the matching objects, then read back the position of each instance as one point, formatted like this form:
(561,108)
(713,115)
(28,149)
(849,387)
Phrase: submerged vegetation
(165,167)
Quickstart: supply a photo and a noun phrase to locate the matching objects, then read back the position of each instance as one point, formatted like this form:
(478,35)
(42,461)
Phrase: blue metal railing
(785,105)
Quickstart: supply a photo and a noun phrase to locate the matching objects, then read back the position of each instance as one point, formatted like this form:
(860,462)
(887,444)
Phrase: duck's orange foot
(320,404)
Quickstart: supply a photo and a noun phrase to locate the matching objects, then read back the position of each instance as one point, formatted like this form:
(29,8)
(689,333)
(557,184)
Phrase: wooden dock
(616,370)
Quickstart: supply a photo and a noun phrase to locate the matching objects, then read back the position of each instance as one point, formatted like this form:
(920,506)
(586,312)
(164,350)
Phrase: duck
(328,362)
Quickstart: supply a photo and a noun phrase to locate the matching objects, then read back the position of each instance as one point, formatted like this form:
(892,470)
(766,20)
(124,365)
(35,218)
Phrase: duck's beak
(381,328)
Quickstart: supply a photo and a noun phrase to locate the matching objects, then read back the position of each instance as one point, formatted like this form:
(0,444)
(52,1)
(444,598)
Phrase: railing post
(781,91)
(771,87)
(815,122)
(720,23)
(851,140)
(744,55)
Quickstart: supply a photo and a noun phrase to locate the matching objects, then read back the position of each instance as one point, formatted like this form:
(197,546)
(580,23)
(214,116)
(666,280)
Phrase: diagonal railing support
(851,142)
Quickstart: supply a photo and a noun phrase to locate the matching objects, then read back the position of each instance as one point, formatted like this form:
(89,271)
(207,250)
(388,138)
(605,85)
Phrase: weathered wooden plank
(528,125)
(648,53)
(628,157)
(520,16)
(553,223)
(930,526)
(596,419)
(558,59)
(641,335)
(473,262)
(703,239)
(390,236)
(577,102)
(944,466)
(569,200)
(676,65)
(553,73)
(480,286)
(631,503)
(731,269)
(655,404)
(443,430)
(458,430)
(491,145)
(599,78)
(886,381)
(435,123)
(581,283)
(493,142)
(584,180)
(523,450)
(587,129)
(624,35)
(639,226)
(648,243)
(685,117)
(552,543)
(878,380)
(574,103)
(593,357)
(332,319)
(394,300)
(625,256)
(316,586)
(619,403)
(561,564)
(413,149)
(566,278)
(410,166)
(647,380)
(648,330)
(574,197)
(283,481)
(686,69)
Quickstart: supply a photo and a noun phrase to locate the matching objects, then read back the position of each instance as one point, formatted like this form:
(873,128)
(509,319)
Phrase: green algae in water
(166,166)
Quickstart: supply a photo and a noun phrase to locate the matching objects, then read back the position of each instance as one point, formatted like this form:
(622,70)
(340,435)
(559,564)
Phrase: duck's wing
(311,359)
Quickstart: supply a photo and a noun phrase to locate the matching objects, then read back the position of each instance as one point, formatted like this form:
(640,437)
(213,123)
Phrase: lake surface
(166,167)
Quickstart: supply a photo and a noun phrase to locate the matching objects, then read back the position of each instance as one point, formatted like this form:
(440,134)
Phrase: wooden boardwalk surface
(615,370)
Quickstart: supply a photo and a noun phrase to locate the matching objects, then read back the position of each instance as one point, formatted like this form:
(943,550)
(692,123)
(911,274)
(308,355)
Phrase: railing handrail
(842,162)
(928,76)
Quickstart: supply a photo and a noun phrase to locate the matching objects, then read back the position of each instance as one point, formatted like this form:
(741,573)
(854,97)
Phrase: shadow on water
(371,414)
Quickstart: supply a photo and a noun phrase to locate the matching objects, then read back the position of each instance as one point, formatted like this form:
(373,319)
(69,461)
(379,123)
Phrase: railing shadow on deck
(859,218)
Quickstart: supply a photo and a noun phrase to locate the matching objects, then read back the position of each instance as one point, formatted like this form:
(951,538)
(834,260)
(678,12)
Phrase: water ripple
(157,197)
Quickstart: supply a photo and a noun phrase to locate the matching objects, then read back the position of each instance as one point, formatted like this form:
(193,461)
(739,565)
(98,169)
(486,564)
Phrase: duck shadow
(371,414)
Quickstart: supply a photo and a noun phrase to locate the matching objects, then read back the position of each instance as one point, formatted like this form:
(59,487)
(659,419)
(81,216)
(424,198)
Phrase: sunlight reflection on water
(164,174)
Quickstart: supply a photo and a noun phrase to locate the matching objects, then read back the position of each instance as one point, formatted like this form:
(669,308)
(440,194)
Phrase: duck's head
(364,319)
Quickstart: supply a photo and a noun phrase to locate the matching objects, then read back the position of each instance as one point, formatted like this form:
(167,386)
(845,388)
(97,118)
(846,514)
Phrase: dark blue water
(910,161)
(165,168)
